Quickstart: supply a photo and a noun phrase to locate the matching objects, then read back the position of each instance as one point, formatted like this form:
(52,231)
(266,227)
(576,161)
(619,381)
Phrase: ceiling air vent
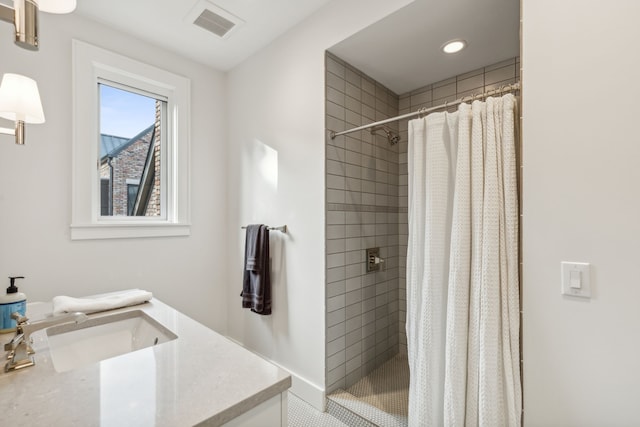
(213,19)
(213,22)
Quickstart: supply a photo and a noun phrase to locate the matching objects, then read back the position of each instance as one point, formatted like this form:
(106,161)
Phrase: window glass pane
(105,197)
(132,194)
(130,148)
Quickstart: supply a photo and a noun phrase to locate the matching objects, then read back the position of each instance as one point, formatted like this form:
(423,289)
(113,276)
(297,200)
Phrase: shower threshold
(380,399)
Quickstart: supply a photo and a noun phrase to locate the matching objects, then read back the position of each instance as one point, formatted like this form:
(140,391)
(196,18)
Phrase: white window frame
(93,65)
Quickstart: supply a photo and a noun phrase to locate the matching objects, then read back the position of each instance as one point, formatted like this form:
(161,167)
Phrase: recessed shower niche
(392,68)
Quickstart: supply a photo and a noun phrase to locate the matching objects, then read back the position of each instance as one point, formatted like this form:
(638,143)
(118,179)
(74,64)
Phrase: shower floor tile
(381,397)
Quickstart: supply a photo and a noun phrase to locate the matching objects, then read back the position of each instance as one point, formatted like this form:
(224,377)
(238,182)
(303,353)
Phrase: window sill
(128,231)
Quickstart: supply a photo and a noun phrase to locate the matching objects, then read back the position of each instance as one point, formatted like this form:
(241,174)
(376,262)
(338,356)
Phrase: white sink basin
(76,345)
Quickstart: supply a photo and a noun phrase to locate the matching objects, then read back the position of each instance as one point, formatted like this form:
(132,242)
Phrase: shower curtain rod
(502,89)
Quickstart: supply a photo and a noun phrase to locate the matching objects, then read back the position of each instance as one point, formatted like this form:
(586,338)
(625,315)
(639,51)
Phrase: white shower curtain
(462,268)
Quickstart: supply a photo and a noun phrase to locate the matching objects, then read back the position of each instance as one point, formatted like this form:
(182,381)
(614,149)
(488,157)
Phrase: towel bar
(282,228)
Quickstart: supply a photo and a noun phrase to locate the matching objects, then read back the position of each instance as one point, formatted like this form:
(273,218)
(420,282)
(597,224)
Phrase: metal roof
(111,145)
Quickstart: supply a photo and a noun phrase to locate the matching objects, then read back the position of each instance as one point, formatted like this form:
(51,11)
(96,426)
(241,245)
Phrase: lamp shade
(56,6)
(20,99)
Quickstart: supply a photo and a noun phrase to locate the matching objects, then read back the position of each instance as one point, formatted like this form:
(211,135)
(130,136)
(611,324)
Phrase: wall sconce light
(24,16)
(20,102)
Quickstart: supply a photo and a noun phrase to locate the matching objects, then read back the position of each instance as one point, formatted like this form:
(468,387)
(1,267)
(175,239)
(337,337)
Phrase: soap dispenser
(12,302)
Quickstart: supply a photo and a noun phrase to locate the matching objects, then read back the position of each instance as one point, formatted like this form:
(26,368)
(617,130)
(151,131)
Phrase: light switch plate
(579,271)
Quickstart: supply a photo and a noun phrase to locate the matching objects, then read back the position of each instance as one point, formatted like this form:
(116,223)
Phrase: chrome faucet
(20,352)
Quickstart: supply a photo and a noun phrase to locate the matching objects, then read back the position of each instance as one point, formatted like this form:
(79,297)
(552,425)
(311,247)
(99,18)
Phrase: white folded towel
(64,304)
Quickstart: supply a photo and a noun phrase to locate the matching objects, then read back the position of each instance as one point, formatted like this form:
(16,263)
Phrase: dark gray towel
(252,248)
(256,284)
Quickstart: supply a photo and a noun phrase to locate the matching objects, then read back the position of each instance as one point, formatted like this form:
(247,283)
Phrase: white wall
(35,187)
(276,105)
(581,203)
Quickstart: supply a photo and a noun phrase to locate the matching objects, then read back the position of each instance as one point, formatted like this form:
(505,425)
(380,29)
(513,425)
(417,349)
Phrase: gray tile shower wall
(362,212)
(366,206)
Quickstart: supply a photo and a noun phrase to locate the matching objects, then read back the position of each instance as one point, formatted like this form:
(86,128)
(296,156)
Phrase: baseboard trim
(307,391)
(300,386)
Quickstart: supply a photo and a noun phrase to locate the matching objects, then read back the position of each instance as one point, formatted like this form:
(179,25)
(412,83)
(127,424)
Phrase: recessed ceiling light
(454,46)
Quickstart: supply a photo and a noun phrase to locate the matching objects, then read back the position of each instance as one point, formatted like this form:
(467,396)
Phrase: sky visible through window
(124,114)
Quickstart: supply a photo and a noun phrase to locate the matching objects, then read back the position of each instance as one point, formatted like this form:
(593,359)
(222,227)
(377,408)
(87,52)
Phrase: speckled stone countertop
(200,377)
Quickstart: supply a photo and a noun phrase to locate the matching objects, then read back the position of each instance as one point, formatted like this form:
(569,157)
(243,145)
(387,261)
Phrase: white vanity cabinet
(272,412)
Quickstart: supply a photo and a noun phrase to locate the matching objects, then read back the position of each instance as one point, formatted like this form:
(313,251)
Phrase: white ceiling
(164,23)
(402,51)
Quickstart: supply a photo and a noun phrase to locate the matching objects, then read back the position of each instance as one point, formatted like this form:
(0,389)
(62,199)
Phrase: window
(105,196)
(132,126)
(131,120)
(132,195)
